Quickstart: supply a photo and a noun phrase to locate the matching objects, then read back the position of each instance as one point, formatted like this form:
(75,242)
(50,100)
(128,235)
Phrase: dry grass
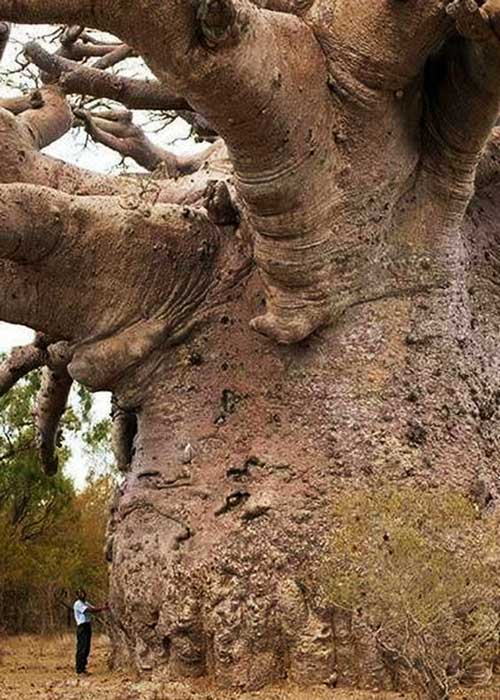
(41,668)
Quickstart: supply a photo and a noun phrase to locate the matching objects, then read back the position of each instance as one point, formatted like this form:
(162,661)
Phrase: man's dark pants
(83,637)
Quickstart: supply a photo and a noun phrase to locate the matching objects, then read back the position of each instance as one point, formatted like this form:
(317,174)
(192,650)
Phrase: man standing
(83,616)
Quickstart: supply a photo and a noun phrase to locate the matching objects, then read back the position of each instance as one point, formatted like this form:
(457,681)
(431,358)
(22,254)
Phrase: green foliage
(51,537)
(423,570)
(29,500)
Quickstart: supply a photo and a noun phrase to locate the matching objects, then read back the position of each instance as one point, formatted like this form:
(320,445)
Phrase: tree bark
(353,134)
(216,556)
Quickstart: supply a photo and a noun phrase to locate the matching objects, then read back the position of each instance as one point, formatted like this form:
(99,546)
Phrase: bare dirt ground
(37,668)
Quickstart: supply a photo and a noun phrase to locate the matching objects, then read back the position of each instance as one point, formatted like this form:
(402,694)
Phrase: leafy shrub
(423,570)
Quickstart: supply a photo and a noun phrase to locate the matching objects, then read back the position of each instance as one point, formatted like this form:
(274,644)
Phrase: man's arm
(95,610)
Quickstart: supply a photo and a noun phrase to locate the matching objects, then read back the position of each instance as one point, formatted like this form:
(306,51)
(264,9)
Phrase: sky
(74,148)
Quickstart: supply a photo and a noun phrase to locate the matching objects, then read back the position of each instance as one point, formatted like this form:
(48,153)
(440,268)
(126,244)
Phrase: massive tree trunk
(244,447)
(313,309)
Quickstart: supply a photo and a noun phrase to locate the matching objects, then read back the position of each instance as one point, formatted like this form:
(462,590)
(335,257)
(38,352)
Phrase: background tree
(51,538)
(420,572)
(309,306)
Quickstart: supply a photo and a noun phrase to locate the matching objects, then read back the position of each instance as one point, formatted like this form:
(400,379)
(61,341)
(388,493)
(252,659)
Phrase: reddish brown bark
(352,133)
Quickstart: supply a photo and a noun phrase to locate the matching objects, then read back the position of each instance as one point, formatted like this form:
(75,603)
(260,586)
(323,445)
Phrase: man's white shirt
(80,610)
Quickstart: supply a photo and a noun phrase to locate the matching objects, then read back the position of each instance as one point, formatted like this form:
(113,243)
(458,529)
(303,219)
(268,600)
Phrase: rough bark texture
(340,212)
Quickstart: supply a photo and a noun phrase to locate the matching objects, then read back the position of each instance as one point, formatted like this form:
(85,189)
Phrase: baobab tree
(310,305)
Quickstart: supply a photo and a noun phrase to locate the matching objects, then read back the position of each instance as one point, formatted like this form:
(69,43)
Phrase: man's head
(81,594)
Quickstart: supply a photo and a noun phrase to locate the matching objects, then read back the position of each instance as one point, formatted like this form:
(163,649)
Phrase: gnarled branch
(82,80)
(21,162)
(115,129)
(21,362)
(175,250)
(49,408)
(115,56)
(79,50)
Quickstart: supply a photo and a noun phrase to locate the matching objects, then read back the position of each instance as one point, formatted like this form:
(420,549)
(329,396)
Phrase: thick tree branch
(49,122)
(50,406)
(74,78)
(79,50)
(52,397)
(239,66)
(22,103)
(82,80)
(250,91)
(174,251)
(115,129)
(115,56)
(21,162)
(247,78)
(21,362)
(46,119)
